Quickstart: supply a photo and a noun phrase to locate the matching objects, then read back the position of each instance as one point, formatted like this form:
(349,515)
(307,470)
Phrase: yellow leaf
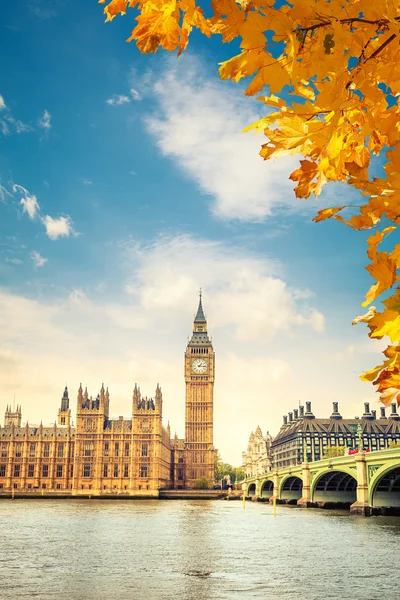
(326,213)
(384,270)
(376,239)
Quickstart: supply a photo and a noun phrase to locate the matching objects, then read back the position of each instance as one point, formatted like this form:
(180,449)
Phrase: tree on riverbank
(202,483)
(334,451)
(329,72)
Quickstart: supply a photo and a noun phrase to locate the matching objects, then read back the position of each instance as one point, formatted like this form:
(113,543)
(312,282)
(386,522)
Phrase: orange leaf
(326,213)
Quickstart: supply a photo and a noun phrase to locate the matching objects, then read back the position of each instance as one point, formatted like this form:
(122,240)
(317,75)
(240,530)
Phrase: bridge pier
(361,507)
(305,500)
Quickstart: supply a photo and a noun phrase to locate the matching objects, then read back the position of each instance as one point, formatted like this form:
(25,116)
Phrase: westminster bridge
(367,482)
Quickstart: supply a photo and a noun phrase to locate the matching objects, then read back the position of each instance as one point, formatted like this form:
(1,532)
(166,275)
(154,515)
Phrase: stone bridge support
(361,506)
(305,500)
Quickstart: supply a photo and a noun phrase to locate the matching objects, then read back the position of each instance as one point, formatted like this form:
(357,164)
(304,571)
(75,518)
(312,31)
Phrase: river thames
(195,550)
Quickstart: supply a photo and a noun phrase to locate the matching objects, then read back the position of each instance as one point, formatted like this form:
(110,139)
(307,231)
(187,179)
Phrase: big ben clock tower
(199,378)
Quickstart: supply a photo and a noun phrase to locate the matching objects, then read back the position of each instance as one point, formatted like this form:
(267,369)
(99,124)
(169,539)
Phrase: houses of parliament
(100,456)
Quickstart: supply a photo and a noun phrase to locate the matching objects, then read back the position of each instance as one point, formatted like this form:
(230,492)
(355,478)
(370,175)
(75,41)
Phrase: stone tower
(199,379)
(13,417)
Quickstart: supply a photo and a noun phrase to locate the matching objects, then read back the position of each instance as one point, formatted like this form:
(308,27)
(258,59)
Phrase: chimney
(290,417)
(284,419)
(383,413)
(366,408)
(373,414)
(309,414)
(296,413)
(301,412)
(394,414)
(335,411)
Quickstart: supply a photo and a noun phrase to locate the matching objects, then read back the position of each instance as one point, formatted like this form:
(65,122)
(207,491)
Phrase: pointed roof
(200,318)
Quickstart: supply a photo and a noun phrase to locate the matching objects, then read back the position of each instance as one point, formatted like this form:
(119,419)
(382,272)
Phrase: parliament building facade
(100,456)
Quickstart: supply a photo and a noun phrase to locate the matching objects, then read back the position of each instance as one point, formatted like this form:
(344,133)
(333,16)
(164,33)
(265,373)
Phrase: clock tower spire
(199,378)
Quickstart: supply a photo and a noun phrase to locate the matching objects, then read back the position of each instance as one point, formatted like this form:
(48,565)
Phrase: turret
(64,413)
(158,399)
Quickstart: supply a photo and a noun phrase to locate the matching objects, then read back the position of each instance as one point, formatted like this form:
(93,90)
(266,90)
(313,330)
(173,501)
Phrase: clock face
(199,366)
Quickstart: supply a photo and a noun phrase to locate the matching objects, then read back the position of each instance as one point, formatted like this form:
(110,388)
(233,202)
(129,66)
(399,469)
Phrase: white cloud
(5,130)
(245,292)
(45,120)
(118,100)
(2,103)
(14,261)
(38,260)
(86,182)
(4,193)
(198,122)
(135,94)
(29,202)
(55,228)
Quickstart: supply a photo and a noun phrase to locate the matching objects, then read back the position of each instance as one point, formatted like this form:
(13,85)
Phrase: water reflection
(84,550)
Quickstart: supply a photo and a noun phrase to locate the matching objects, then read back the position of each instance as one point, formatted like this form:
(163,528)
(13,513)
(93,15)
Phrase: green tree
(202,483)
(394,444)
(221,469)
(334,451)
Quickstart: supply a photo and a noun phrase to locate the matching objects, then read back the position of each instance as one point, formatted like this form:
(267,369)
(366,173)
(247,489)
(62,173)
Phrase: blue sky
(126,184)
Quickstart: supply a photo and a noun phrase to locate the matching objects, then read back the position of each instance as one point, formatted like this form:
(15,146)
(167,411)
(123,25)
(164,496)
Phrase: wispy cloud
(4,193)
(45,121)
(29,202)
(117,100)
(38,260)
(2,103)
(55,228)
(86,182)
(135,94)
(14,261)
(11,125)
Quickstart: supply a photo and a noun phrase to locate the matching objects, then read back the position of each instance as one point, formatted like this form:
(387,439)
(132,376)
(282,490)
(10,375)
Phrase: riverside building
(302,434)
(102,456)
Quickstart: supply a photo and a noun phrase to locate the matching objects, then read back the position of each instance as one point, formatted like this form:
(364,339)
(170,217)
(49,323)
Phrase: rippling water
(195,550)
